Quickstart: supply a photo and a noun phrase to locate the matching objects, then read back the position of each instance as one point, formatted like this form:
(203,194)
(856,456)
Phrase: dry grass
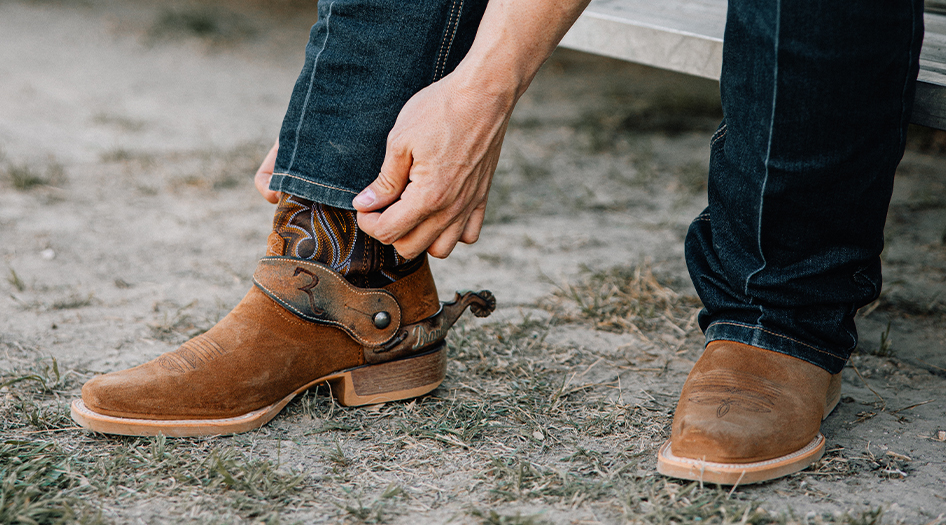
(625,300)
(515,435)
(26,176)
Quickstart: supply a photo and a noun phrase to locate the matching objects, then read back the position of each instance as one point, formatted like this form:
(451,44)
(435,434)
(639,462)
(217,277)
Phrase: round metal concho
(382,320)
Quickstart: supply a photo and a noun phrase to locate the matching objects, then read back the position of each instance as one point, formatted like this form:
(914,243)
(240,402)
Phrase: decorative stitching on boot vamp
(728,389)
(192,354)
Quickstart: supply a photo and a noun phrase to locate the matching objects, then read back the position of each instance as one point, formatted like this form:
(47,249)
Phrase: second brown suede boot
(748,415)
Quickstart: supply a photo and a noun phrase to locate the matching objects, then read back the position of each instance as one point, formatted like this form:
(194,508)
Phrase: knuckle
(471,238)
(438,253)
(441,202)
(395,145)
(384,237)
(405,251)
(385,184)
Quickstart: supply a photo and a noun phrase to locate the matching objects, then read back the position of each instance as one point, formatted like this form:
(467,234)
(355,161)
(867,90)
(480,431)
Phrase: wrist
(491,77)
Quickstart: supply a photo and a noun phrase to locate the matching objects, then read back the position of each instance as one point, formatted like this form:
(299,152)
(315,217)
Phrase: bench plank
(686,36)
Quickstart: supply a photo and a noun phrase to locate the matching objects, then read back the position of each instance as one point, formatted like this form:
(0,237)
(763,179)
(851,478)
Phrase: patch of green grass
(26,176)
(15,281)
(517,479)
(221,480)
(38,485)
(32,396)
(43,374)
(492,517)
(377,510)
(885,348)
(74,300)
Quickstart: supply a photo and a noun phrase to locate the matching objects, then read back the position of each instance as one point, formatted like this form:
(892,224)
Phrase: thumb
(389,185)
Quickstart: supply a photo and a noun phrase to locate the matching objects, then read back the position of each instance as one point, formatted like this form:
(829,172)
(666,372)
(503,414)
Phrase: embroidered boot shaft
(308,230)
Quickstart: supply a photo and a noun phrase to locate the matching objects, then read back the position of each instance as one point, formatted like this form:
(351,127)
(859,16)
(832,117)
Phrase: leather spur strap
(416,338)
(315,293)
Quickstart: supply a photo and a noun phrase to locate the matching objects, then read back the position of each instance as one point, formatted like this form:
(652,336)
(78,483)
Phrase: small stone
(941,435)
(48,254)
(538,435)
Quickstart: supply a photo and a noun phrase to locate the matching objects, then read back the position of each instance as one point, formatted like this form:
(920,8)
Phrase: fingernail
(365,198)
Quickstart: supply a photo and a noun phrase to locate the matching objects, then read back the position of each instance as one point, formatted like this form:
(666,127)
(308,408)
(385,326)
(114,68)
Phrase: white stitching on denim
(776,335)
(720,133)
(305,103)
(314,183)
(444,41)
(768,151)
(456,26)
(444,45)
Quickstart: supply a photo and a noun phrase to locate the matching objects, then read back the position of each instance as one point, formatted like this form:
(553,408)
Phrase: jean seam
(718,135)
(768,153)
(315,183)
(776,334)
(906,81)
(456,9)
(305,103)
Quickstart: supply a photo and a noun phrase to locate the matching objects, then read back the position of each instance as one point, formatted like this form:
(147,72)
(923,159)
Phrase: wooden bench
(687,36)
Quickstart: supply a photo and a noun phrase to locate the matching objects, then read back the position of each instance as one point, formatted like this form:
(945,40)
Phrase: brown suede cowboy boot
(748,415)
(302,324)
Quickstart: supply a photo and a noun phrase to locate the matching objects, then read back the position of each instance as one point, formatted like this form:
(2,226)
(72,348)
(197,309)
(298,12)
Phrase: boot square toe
(748,415)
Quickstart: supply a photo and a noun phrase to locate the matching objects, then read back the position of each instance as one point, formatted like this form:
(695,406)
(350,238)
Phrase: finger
(446,242)
(422,238)
(387,188)
(265,173)
(262,186)
(396,221)
(471,232)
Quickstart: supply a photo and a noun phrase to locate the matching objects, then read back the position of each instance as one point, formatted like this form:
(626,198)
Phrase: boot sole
(747,473)
(364,385)
(738,473)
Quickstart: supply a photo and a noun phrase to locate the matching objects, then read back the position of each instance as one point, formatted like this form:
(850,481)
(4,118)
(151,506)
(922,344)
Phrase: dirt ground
(129,133)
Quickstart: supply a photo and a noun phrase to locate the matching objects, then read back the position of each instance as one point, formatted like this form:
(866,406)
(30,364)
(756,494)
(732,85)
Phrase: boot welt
(738,473)
(747,473)
(364,385)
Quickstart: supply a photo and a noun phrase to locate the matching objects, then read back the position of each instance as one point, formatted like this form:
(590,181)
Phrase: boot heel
(833,396)
(392,381)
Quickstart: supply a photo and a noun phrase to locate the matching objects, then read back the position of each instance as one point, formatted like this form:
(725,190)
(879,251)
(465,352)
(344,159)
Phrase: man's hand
(442,152)
(265,173)
(438,165)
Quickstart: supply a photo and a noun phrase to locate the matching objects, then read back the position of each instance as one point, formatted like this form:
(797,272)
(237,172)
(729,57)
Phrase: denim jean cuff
(769,340)
(313,191)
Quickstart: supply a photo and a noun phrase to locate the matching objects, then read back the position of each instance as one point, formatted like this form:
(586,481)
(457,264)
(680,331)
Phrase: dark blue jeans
(364,60)
(816,95)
